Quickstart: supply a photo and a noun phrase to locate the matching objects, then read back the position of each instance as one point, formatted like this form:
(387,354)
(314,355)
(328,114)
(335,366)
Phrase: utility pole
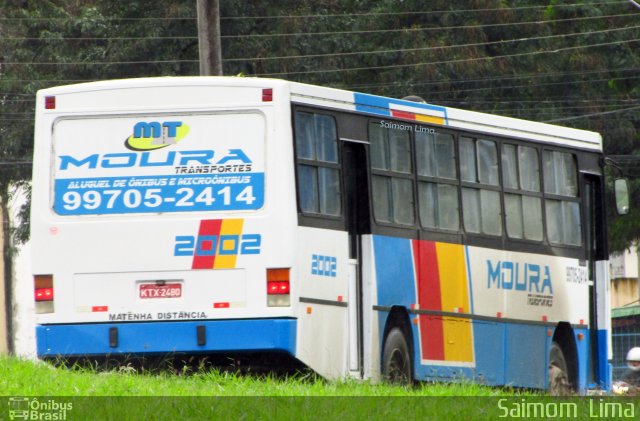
(209,46)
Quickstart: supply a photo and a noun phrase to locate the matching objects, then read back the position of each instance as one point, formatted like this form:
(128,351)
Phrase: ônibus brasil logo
(23,408)
(152,135)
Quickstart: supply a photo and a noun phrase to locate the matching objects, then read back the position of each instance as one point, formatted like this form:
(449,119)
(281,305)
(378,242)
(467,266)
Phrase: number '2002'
(211,245)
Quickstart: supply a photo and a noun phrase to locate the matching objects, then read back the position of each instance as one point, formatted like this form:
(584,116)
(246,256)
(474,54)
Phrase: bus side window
(392,175)
(480,192)
(437,189)
(561,198)
(522,197)
(319,190)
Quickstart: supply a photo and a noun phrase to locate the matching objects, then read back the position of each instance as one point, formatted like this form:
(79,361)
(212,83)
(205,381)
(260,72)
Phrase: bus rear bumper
(166,337)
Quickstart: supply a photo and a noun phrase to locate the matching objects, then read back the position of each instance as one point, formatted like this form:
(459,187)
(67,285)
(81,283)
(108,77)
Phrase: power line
(76,63)
(93,63)
(96,38)
(540,100)
(352,53)
(104,18)
(332,15)
(45,80)
(532,85)
(557,50)
(442,47)
(421,29)
(593,114)
(494,79)
(567,107)
(15,164)
(434,12)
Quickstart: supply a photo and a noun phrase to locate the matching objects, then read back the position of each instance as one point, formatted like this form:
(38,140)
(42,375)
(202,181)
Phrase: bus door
(595,249)
(357,215)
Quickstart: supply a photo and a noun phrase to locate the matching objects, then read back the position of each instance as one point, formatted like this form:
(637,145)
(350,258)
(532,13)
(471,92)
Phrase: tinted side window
(522,201)
(481,209)
(319,189)
(561,205)
(392,175)
(436,170)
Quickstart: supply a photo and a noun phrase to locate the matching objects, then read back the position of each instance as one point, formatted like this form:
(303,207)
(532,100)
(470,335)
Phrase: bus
(363,236)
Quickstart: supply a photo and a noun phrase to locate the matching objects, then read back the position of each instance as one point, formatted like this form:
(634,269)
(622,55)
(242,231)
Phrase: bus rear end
(157,223)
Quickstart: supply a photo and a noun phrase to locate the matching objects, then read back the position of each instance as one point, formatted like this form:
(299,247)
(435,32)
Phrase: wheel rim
(558,374)
(558,381)
(398,367)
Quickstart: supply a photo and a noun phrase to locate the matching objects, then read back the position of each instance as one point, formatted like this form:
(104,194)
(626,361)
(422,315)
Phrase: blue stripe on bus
(489,342)
(582,346)
(526,355)
(604,368)
(469,278)
(167,337)
(395,279)
(371,104)
(379,105)
(522,361)
(394,271)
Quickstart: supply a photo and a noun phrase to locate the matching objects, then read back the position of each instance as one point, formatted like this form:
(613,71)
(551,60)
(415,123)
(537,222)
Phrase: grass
(184,393)
(37,378)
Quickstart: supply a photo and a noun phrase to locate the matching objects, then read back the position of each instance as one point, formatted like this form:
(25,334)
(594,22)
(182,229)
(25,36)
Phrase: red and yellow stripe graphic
(418,117)
(217,244)
(442,287)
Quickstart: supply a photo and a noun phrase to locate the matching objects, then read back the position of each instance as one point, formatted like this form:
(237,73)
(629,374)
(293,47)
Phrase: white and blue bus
(364,236)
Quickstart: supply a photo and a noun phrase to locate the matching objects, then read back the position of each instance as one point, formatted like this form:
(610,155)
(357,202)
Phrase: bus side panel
(537,292)
(489,345)
(322,289)
(478,311)
(526,355)
(582,338)
(442,341)
(603,311)
(370,318)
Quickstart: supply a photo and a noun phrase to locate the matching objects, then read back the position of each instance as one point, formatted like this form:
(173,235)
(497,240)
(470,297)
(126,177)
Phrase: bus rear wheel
(396,358)
(559,384)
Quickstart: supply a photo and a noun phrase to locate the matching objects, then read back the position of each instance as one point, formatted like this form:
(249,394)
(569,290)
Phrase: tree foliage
(574,62)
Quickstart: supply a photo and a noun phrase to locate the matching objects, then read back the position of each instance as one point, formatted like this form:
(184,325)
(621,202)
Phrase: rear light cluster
(267,95)
(278,288)
(43,293)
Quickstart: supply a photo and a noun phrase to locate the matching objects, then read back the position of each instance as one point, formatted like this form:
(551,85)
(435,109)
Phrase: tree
(542,61)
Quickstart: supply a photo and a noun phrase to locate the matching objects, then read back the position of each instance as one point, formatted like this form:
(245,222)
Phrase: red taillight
(44,294)
(43,286)
(50,102)
(277,287)
(267,95)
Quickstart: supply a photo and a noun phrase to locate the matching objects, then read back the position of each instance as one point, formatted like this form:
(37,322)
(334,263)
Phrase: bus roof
(446,116)
(369,104)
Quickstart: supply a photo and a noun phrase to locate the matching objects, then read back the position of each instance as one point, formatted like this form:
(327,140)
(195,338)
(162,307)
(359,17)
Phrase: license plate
(160,291)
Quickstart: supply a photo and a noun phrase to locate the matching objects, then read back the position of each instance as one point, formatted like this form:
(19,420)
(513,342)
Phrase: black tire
(559,384)
(397,366)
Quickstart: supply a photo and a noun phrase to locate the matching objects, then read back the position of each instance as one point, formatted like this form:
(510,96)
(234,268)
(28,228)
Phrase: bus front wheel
(559,384)
(396,358)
